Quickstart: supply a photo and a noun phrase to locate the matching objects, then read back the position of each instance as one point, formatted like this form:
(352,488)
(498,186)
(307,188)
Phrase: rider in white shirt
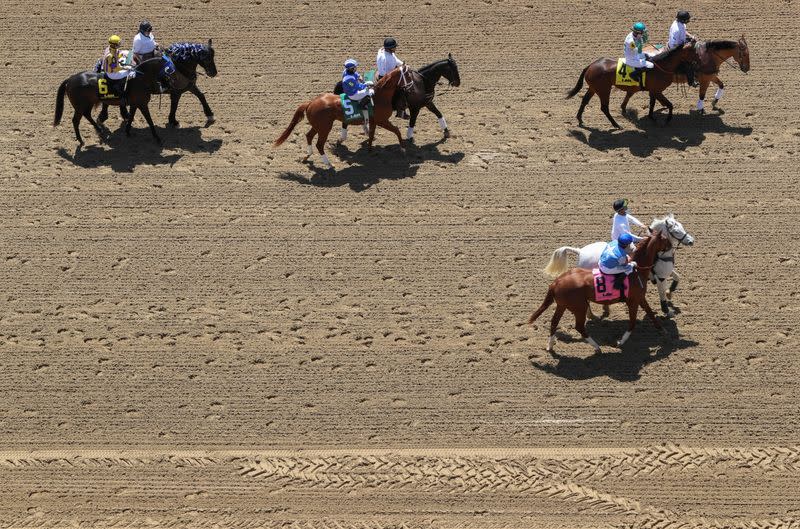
(144,43)
(387,61)
(622,221)
(678,37)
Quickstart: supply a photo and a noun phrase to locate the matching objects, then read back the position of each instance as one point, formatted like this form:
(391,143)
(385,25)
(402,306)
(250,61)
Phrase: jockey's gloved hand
(634,264)
(370,92)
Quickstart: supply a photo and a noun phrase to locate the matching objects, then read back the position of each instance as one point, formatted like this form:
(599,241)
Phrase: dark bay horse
(574,289)
(417,99)
(83,92)
(600,78)
(186,56)
(323,110)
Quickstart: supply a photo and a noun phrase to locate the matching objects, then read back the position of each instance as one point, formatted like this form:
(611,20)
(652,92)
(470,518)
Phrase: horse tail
(60,102)
(548,300)
(558,261)
(298,115)
(579,85)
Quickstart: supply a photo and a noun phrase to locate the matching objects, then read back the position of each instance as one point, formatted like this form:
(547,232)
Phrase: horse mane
(721,44)
(660,223)
(431,66)
(665,54)
(185,51)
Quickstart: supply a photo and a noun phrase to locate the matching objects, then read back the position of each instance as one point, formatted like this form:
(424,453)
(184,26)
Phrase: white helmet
(350,63)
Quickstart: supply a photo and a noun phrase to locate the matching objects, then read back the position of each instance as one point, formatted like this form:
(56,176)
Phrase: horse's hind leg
(88,115)
(323,131)
(585,101)
(605,97)
(129,121)
(624,105)
(554,326)
(103,113)
(390,127)
(309,138)
(76,119)
(580,326)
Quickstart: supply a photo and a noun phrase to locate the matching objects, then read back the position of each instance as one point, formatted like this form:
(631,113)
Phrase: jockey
(114,70)
(354,88)
(144,43)
(615,261)
(622,220)
(678,37)
(387,61)
(634,56)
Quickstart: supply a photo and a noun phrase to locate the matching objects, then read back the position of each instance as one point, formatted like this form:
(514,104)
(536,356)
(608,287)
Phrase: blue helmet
(350,63)
(625,240)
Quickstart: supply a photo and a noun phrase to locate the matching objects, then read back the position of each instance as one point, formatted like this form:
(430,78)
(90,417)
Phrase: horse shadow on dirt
(623,365)
(684,131)
(385,162)
(122,153)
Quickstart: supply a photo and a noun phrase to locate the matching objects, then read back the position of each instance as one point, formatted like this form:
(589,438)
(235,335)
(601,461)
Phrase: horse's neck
(186,67)
(387,89)
(671,62)
(645,255)
(433,74)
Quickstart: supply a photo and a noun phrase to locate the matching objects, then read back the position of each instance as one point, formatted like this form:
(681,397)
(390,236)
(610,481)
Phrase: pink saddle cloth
(604,289)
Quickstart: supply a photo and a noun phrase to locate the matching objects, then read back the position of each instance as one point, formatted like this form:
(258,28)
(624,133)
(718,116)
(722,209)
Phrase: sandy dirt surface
(215,334)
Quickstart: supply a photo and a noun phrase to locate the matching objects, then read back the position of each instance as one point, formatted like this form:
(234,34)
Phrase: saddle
(604,289)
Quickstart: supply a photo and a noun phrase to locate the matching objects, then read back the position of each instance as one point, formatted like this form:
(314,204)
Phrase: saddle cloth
(604,286)
(623,75)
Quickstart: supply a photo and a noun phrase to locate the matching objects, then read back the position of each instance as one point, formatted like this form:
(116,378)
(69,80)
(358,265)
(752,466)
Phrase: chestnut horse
(712,53)
(600,78)
(574,289)
(323,110)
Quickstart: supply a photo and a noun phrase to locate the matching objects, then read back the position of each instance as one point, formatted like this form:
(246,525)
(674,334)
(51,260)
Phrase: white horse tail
(558,262)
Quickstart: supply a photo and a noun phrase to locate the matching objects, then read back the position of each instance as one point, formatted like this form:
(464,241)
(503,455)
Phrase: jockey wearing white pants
(632,49)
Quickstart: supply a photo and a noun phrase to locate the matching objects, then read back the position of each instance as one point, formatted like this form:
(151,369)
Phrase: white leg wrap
(551,342)
(343,134)
(409,133)
(365,126)
(310,150)
(591,342)
(326,161)
(624,338)
(700,104)
(442,123)
(718,95)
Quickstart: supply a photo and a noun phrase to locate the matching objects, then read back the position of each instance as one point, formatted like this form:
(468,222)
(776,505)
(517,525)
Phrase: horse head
(206,60)
(743,57)
(451,74)
(673,229)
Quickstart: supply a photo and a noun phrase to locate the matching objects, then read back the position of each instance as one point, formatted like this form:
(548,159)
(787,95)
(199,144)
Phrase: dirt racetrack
(214,334)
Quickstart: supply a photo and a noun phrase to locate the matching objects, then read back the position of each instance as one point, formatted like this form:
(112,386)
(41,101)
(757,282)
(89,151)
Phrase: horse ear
(209,43)
(450,56)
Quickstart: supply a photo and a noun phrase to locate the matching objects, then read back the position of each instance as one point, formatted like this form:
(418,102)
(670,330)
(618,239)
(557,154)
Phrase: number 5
(348,106)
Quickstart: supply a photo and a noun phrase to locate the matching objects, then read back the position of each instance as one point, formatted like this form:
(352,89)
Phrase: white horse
(664,267)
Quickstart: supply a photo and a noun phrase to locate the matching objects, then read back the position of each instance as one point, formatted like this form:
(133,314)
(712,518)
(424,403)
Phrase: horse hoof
(446,133)
(210,120)
(173,124)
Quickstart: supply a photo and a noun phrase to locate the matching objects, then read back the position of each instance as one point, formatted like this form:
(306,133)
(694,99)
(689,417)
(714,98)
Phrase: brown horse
(711,54)
(323,110)
(601,78)
(574,290)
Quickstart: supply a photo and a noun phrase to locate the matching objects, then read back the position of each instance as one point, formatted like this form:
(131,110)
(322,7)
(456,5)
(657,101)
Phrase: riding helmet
(350,63)
(389,43)
(145,26)
(114,40)
(639,27)
(625,240)
(620,203)
(683,16)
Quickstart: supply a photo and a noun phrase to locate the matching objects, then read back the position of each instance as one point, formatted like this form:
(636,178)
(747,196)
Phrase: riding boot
(619,284)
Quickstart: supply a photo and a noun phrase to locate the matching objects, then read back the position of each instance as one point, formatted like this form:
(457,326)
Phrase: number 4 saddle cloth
(604,289)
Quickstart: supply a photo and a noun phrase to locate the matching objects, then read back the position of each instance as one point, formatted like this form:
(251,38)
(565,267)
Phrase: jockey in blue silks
(356,90)
(615,261)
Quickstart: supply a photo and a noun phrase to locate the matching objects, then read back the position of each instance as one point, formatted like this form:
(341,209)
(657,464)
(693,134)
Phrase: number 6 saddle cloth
(604,289)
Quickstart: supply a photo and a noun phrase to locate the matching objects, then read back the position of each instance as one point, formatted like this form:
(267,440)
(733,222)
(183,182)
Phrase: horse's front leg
(650,314)
(206,109)
(651,114)
(674,285)
(174,98)
(666,102)
(624,105)
(146,114)
(704,82)
(662,296)
(412,121)
(103,115)
(633,311)
(442,122)
(386,124)
(720,91)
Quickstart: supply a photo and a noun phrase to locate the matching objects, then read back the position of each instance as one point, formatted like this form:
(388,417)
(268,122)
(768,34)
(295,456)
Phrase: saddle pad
(352,109)
(104,90)
(623,75)
(604,286)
